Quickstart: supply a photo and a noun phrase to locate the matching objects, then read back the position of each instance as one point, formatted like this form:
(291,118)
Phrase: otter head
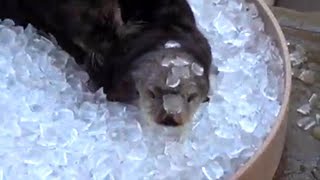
(171,86)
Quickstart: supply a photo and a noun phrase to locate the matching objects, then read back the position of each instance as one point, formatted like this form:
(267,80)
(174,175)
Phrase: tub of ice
(53,127)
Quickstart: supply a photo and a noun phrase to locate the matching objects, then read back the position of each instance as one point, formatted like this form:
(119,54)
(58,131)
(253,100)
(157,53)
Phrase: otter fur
(82,27)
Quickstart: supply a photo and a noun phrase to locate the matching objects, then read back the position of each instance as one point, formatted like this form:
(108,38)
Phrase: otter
(164,61)
(140,50)
(85,29)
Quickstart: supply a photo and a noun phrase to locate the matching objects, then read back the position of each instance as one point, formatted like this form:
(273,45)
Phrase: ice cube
(181,72)
(101,172)
(19,44)
(100,95)
(307,76)
(248,125)
(172,81)
(42,171)
(8,22)
(48,136)
(313,100)
(97,128)
(40,44)
(133,131)
(304,109)
(172,103)
(63,115)
(298,55)
(226,132)
(60,58)
(30,31)
(115,130)
(178,61)
(270,91)
(318,119)
(6,142)
(7,37)
(34,157)
(17,171)
(166,62)
(162,163)
(82,75)
(68,136)
(212,171)
(197,69)
(138,151)
(1,174)
(75,83)
(58,158)
(200,129)
(309,125)
(173,150)
(191,174)
(223,24)
(172,44)
(303,122)
(88,111)
(11,127)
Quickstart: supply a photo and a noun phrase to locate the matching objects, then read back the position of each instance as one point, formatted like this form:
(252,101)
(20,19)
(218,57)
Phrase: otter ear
(207,99)
(124,91)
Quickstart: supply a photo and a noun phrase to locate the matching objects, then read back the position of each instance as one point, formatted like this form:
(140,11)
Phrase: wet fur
(80,26)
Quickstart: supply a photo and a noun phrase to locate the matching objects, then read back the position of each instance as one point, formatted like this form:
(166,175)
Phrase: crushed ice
(197,69)
(172,44)
(52,127)
(180,69)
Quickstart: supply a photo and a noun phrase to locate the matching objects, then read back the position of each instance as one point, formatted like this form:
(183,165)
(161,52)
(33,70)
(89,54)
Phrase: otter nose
(169,120)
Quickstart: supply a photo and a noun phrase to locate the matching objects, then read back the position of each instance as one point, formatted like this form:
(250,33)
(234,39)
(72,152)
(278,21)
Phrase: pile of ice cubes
(52,127)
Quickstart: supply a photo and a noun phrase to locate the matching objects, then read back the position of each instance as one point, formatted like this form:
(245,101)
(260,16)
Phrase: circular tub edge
(264,163)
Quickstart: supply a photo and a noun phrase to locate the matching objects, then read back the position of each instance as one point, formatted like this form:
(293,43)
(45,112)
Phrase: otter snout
(171,120)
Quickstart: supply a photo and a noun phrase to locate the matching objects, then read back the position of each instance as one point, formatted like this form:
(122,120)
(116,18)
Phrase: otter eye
(192,97)
(151,94)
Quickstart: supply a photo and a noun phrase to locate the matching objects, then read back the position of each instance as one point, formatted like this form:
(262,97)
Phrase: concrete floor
(301,158)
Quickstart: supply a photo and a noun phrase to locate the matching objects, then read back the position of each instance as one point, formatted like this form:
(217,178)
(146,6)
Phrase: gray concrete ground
(300,5)
(301,158)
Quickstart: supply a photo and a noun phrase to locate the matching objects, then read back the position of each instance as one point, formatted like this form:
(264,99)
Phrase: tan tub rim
(282,45)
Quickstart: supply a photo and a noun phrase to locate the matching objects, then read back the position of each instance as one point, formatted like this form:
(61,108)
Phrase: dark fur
(80,26)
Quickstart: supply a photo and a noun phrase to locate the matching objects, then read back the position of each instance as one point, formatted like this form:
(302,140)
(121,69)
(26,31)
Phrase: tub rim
(282,115)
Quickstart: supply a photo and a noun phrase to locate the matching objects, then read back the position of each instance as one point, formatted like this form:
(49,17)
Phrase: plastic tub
(263,165)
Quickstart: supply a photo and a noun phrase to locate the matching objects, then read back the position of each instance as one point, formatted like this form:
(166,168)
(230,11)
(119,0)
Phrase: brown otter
(82,27)
(165,61)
